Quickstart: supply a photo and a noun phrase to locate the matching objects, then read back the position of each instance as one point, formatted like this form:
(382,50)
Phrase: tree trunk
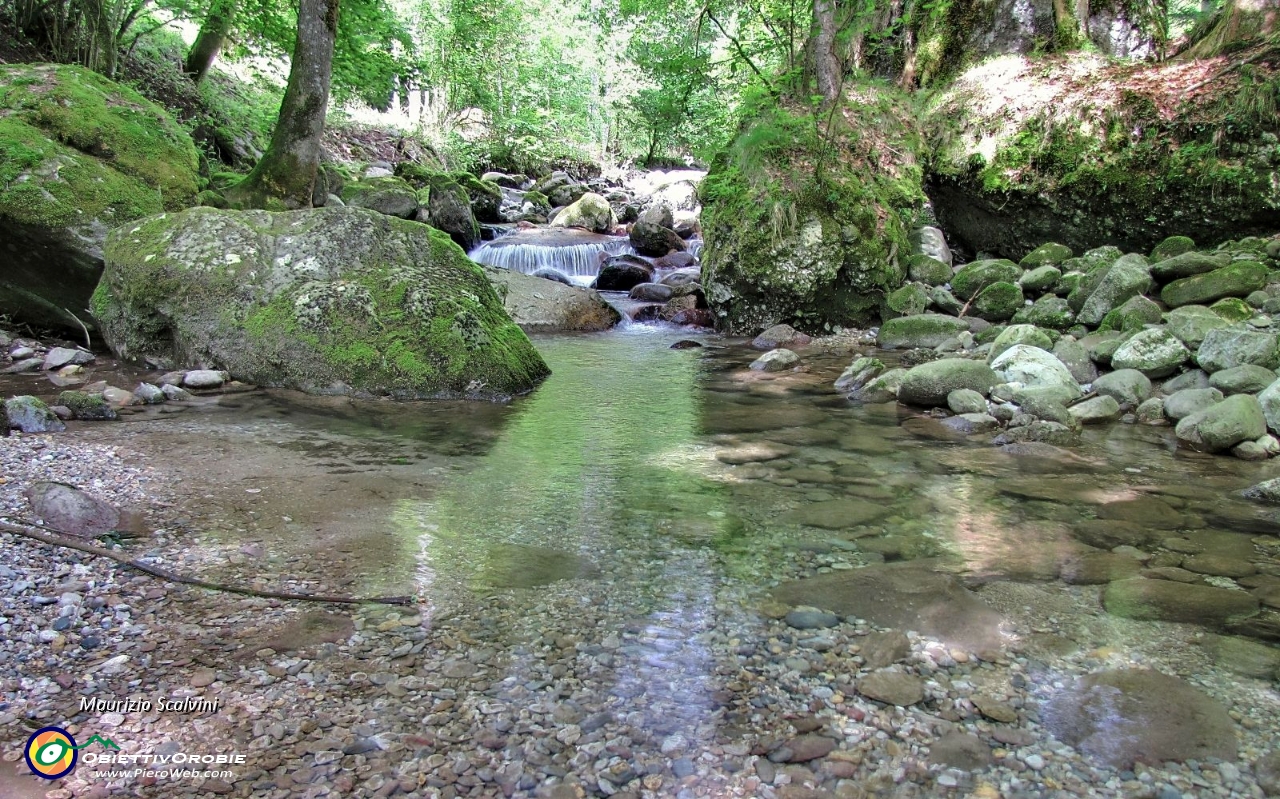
(104,50)
(1241,22)
(213,34)
(823,65)
(285,177)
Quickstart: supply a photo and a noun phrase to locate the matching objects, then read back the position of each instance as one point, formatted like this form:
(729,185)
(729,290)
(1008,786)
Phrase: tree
(213,34)
(1241,22)
(285,177)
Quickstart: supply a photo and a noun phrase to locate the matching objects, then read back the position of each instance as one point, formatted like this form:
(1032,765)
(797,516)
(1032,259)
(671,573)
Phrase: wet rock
(513,566)
(892,688)
(882,649)
(1161,600)
(808,747)
(547,273)
(994,709)
(966,400)
(930,383)
(30,415)
(650,292)
(1151,412)
(175,394)
(204,379)
(1267,771)
(754,452)
(685,276)
(1151,512)
(1181,404)
(1133,716)
(1098,568)
(836,514)
(1218,565)
(1267,491)
(1108,534)
(1243,379)
(623,273)
(118,397)
(1096,411)
(148,394)
(1237,280)
(804,618)
(908,595)
(87,407)
(1155,352)
(1039,432)
(59,357)
(780,336)
(592,212)
(882,388)
(775,361)
(1223,425)
(859,373)
(1243,656)
(960,750)
(69,510)
(1235,346)
(20,366)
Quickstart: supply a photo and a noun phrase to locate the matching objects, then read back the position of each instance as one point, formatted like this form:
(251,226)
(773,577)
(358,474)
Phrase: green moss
(538,199)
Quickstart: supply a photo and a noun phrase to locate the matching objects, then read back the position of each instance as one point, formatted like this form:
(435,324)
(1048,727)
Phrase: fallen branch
(1258,56)
(36,534)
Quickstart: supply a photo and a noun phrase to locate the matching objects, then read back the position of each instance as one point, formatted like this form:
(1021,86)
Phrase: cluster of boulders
(1036,349)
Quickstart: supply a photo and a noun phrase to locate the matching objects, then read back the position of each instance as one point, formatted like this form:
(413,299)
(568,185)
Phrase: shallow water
(609,544)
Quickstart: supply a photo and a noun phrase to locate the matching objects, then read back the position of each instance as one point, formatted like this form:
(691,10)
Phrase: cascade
(576,254)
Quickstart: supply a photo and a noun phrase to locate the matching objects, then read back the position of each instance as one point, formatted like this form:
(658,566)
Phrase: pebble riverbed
(661,668)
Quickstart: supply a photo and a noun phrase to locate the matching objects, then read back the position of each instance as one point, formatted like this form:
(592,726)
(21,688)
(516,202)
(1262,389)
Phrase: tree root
(36,534)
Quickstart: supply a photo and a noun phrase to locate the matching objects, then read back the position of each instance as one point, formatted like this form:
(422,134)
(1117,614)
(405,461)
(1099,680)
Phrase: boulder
(1269,399)
(334,301)
(592,212)
(1048,312)
(1223,425)
(1075,357)
(1236,280)
(932,243)
(1046,254)
(775,361)
(929,383)
(781,336)
(1191,323)
(69,510)
(1243,379)
(623,273)
(927,270)
(1187,264)
(966,401)
(1155,352)
(973,278)
(541,306)
(31,415)
(1040,279)
(1181,404)
(445,205)
(1136,313)
(81,155)
(998,302)
(859,373)
(881,388)
(1128,387)
(485,197)
(1127,277)
(1172,246)
(1033,367)
(650,292)
(1096,410)
(1227,347)
(924,330)
(387,195)
(1233,309)
(1019,334)
(649,238)
(1131,716)
(1162,600)
(87,407)
(909,300)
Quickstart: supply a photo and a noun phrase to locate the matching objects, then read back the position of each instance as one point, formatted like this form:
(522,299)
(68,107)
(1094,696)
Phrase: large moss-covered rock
(336,300)
(973,278)
(445,205)
(1237,280)
(539,305)
(1191,323)
(387,195)
(1226,347)
(1061,162)
(1223,425)
(1128,277)
(998,302)
(929,383)
(924,330)
(1155,352)
(591,212)
(79,155)
(786,242)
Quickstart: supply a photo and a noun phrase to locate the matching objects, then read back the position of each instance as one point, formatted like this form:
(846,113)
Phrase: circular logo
(51,752)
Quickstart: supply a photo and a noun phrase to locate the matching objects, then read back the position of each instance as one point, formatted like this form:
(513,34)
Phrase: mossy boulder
(1049,311)
(786,242)
(1136,313)
(1019,334)
(928,270)
(1187,264)
(929,383)
(329,301)
(924,330)
(976,276)
(1227,347)
(590,212)
(86,406)
(1046,255)
(1040,279)
(1106,287)
(79,154)
(998,302)
(1155,352)
(909,300)
(1223,425)
(486,197)
(1172,246)
(1232,309)
(1191,323)
(387,195)
(444,205)
(1237,280)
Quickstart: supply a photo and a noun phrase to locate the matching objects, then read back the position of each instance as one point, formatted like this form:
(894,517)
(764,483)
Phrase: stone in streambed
(1223,425)
(1243,656)
(1191,323)
(87,407)
(803,618)
(1227,347)
(1133,716)
(30,415)
(892,688)
(881,649)
(966,400)
(755,452)
(960,750)
(204,378)
(859,373)
(775,361)
(1129,387)
(1098,568)
(59,357)
(836,514)
(69,510)
(1096,410)
(781,336)
(1032,367)
(1236,280)
(1243,379)
(1161,600)
(929,383)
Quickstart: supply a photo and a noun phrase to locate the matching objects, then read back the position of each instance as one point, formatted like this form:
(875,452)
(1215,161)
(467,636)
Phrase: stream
(595,566)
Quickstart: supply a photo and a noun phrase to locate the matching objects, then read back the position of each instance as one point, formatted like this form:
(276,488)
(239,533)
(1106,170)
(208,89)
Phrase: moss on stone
(1171,246)
(1046,255)
(807,225)
(85,406)
(1233,309)
(998,302)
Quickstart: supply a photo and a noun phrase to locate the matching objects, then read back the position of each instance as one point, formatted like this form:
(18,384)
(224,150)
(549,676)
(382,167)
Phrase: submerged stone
(1161,600)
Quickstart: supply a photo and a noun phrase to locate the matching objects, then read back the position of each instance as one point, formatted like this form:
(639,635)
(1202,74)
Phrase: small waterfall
(575,254)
